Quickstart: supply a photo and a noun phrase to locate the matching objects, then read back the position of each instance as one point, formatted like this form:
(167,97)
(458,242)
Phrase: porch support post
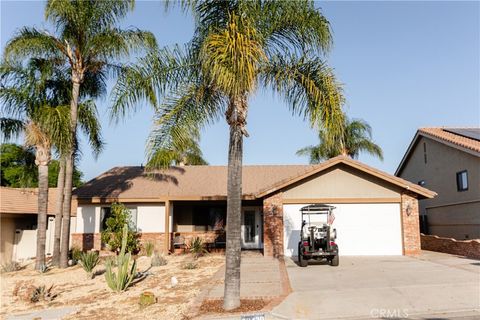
(167,226)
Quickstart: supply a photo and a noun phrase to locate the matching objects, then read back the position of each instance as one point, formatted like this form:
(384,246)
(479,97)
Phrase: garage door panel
(362,229)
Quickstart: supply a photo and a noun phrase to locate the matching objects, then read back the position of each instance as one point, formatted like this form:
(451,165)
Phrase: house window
(425,152)
(462,180)
(106,212)
(209,219)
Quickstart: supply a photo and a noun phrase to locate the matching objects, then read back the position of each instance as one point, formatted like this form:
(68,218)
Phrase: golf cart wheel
(301,260)
(334,261)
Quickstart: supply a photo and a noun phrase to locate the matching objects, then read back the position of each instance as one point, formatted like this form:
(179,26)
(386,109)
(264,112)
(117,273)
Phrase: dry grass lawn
(95,300)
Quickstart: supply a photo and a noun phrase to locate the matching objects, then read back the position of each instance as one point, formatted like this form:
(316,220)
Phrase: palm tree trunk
(59,212)
(42,163)
(69,165)
(236,115)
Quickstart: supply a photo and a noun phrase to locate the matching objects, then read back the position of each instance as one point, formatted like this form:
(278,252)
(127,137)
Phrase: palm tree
(88,40)
(237,47)
(172,151)
(355,137)
(35,102)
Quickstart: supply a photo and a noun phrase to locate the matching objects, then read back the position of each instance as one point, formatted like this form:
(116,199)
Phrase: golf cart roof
(316,209)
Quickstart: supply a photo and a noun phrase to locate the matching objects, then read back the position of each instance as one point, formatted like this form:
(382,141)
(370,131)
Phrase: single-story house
(446,160)
(18,222)
(376,213)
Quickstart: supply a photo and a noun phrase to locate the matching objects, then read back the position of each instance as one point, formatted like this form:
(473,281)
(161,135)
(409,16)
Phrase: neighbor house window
(462,180)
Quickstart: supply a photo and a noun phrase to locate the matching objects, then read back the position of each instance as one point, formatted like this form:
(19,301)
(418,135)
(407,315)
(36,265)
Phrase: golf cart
(317,238)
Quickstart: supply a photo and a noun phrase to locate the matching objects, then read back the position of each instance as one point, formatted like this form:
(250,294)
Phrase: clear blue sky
(404,65)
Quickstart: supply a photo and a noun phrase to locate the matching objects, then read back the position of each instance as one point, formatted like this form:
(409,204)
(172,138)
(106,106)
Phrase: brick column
(87,241)
(273,225)
(410,224)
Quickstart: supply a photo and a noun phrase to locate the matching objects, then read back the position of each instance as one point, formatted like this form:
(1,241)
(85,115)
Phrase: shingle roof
(452,137)
(186,181)
(210,182)
(25,201)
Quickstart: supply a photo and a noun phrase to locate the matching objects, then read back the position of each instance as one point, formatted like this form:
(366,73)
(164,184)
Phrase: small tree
(112,235)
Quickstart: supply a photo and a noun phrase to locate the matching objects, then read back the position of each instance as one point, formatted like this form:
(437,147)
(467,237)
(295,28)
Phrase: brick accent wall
(207,236)
(93,241)
(157,238)
(410,224)
(87,241)
(273,225)
(467,248)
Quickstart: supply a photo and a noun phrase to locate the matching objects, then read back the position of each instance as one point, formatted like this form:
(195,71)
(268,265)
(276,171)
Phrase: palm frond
(181,117)
(30,42)
(231,57)
(152,77)
(309,86)
(11,128)
(90,125)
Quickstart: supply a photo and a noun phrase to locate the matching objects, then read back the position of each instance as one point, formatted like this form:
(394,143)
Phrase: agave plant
(197,247)
(88,261)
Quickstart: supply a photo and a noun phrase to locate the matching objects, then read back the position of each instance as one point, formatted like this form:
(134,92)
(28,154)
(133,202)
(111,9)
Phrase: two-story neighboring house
(447,160)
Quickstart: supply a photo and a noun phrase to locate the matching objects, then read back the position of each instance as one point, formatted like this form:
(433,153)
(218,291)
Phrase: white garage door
(362,229)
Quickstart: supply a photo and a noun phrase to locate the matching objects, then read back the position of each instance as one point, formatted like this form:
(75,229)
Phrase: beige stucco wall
(461,218)
(342,182)
(7,228)
(150,217)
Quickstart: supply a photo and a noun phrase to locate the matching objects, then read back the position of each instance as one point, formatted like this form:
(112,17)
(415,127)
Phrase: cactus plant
(125,274)
(146,298)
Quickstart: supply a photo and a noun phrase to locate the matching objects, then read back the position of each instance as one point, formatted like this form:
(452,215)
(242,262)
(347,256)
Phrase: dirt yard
(95,300)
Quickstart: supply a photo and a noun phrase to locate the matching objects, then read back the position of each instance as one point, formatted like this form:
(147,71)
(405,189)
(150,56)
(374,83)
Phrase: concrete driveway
(432,286)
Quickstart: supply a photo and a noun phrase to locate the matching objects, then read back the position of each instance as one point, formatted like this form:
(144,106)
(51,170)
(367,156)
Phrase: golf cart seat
(319,229)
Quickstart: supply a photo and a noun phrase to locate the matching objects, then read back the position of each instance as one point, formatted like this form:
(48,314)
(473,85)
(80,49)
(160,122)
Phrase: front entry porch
(207,220)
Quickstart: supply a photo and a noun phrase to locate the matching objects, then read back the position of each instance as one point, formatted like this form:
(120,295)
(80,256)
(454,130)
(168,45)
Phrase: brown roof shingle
(25,201)
(210,182)
(187,181)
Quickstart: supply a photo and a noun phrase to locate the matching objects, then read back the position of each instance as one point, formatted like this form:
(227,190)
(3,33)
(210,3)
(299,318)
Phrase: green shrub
(149,248)
(158,260)
(197,247)
(125,265)
(10,266)
(113,234)
(75,254)
(190,265)
(88,261)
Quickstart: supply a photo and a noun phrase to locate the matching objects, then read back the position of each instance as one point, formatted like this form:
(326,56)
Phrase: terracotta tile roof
(210,182)
(25,201)
(457,139)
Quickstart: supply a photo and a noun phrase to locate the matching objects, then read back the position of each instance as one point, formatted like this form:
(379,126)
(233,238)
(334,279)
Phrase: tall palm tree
(35,102)
(237,46)
(355,137)
(89,41)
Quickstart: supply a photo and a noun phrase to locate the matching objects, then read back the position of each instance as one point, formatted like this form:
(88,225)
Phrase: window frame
(459,175)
